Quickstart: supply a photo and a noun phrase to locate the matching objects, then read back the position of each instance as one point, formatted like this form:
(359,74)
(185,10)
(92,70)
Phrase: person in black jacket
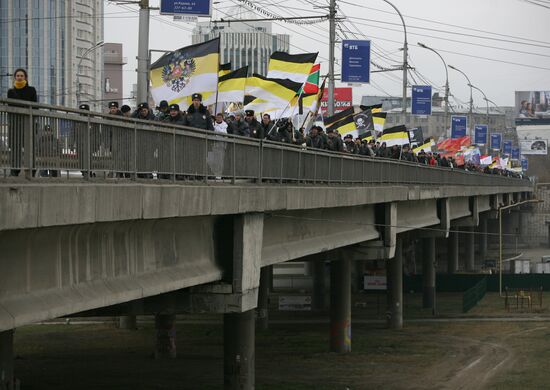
(266,125)
(239,126)
(174,115)
(256,131)
(334,143)
(198,115)
(143,112)
(113,109)
(314,140)
(21,91)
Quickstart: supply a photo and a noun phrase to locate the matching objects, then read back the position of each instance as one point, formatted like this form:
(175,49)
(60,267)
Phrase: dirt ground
(449,355)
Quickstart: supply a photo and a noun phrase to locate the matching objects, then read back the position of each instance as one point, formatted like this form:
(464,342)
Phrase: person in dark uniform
(256,131)
(113,109)
(143,112)
(126,111)
(174,115)
(16,138)
(334,142)
(198,115)
(163,111)
(349,144)
(314,140)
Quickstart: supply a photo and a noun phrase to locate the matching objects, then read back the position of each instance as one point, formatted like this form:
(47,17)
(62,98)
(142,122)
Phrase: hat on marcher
(113,105)
(143,105)
(330,131)
(196,96)
(163,104)
(249,112)
(348,136)
(84,107)
(174,107)
(125,108)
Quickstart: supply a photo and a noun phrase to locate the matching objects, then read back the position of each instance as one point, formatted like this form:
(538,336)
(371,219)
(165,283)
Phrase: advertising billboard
(421,100)
(458,126)
(186,7)
(533,146)
(343,99)
(355,61)
(533,106)
(496,141)
(480,134)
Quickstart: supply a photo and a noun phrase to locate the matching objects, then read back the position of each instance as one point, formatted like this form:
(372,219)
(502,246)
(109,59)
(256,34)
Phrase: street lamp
(88,51)
(471,99)
(405,56)
(486,101)
(494,104)
(446,83)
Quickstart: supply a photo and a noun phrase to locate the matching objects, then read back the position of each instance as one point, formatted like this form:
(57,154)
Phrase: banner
(534,146)
(496,141)
(524,164)
(355,61)
(507,147)
(458,126)
(421,100)
(343,99)
(533,106)
(515,153)
(480,134)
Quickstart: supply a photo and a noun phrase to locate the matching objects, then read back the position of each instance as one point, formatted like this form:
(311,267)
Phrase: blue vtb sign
(186,7)
(515,153)
(496,141)
(355,61)
(458,126)
(507,147)
(421,100)
(524,164)
(480,134)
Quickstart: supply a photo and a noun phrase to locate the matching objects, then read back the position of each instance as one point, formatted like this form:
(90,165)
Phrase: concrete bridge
(151,243)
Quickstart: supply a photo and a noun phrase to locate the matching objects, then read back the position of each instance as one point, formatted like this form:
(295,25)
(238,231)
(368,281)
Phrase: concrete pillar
(452,253)
(319,288)
(238,351)
(127,322)
(395,287)
(166,336)
(428,273)
(6,360)
(340,305)
(263,299)
(469,247)
(482,236)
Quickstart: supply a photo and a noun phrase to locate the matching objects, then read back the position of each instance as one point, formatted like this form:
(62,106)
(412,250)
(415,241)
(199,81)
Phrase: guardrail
(473,295)
(55,139)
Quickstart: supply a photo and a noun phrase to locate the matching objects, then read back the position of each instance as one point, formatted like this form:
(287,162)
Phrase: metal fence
(473,295)
(55,141)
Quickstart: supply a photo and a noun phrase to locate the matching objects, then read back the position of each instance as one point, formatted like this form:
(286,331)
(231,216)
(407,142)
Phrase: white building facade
(50,39)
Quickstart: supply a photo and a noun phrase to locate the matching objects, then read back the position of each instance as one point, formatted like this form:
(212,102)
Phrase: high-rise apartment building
(243,44)
(59,42)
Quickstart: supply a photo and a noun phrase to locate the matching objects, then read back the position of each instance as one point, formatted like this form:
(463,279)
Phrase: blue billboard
(421,100)
(507,147)
(496,141)
(480,134)
(355,61)
(515,153)
(524,164)
(458,126)
(186,7)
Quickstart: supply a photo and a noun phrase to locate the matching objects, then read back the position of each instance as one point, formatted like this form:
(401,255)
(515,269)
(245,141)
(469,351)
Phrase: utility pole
(143,52)
(332,43)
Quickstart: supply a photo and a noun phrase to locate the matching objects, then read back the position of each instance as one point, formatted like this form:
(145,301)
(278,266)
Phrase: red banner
(343,98)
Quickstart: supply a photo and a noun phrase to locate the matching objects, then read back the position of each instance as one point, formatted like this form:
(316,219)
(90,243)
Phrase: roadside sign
(459,124)
(507,147)
(496,141)
(515,153)
(186,7)
(421,100)
(480,134)
(355,61)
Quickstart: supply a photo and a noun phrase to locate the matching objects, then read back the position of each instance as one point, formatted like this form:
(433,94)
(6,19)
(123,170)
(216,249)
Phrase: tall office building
(57,42)
(113,72)
(242,44)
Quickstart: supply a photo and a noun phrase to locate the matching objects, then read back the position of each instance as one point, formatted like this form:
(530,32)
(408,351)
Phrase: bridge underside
(67,249)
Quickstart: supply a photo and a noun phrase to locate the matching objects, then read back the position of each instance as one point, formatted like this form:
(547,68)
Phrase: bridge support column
(469,247)
(166,336)
(428,273)
(452,253)
(263,298)
(395,287)
(6,360)
(340,304)
(238,350)
(127,322)
(319,288)
(482,238)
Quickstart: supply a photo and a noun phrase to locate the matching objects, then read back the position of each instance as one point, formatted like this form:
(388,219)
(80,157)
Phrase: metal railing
(55,141)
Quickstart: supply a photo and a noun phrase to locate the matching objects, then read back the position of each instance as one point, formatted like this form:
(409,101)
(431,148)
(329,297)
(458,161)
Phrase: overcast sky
(428,21)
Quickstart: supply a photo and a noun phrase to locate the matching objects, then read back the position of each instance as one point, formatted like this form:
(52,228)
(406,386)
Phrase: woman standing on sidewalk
(21,91)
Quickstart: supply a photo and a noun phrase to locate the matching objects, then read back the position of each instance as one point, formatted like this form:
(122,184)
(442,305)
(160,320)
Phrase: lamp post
(78,86)
(405,57)
(486,101)
(446,83)
(494,104)
(471,100)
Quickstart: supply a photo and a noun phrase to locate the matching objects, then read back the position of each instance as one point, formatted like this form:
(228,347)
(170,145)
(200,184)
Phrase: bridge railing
(55,140)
